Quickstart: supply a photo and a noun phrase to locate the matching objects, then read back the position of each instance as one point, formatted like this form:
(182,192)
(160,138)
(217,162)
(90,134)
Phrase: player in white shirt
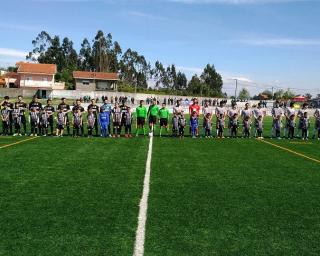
(257,112)
(220,110)
(301,117)
(231,112)
(288,113)
(246,115)
(275,112)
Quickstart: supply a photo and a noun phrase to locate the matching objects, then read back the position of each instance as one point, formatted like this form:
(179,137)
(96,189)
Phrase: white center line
(142,218)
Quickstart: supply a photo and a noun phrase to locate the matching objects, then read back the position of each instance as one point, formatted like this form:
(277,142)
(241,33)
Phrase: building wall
(35,80)
(81,87)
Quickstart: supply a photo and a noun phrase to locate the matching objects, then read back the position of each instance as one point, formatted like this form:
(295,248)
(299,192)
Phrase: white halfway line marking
(142,218)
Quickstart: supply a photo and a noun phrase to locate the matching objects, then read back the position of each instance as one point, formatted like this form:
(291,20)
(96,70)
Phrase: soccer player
(108,108)
(49,110)
(17,121)
(128,122)
(9,106)
(77,123)
(301,117)
(152,114)
(259,127)
(141,113)
(257,113)
(231,113)
(305,126)
(5,117)
(61,121)
(317,123)
(22,106)
(91,121)
(220,110)
(178,109)
(194,124)
(246,115)
(164,118)
(181,125)
(277,126)
(234,126)
(276,113)
(207,119)
(116,119)
(291,125)
(289,112)
(75,109)
(95,109)
(221,123)
(66,109)
(194,107)
(104,120)
(44,123)
(34,121)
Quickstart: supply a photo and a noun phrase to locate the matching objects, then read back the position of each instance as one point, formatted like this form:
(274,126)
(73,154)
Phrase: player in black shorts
(75,109)
(66,109)
(22,106)
(6,103)
(49,109)
(95,109)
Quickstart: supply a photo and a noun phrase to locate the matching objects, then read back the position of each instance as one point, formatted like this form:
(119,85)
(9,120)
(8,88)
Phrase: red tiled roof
(95,75)
(36,68)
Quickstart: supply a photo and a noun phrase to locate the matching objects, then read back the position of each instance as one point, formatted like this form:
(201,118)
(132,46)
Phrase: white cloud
(144,15)
(237,2)
(14,53)
(277,42)
(11,26)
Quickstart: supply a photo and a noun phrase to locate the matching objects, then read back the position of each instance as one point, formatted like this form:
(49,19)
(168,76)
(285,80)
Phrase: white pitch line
(142,218)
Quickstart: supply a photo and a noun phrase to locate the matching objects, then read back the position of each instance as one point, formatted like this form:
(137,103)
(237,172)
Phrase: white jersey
(290,112)
(246,113)
(232,111)
(317,114)
(177,110)
(277,112)
(257,112)
(207,110)
(220,111)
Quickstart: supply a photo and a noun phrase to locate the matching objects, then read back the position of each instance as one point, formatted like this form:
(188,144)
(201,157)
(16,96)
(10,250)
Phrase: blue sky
(264,43)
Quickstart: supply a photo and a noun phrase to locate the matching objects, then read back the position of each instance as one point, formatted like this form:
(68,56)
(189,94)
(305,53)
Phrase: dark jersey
(76,107)
(65,107)
(49,109)
(22,106)
(35,105)
(95,108)
(9,106)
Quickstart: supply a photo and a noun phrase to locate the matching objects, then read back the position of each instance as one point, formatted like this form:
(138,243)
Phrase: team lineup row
(102,118)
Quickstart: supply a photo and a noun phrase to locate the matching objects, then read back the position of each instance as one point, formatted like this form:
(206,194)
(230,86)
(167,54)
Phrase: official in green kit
(141,113)
(164,118)
(152,114)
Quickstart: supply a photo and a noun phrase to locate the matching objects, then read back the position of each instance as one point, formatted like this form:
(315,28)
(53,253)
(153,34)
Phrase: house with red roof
(95,81)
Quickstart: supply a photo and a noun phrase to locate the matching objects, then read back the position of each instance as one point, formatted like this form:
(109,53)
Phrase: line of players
(41,119)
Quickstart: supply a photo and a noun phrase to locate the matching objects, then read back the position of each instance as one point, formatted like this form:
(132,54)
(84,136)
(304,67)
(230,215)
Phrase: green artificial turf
(231,197)
(63,196)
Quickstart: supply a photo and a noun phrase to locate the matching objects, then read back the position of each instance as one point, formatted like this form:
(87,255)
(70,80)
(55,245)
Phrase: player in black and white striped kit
(316,132)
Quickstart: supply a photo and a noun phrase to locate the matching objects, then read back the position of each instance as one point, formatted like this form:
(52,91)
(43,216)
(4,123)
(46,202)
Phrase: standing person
(61,121)
(259,127)
(258,114)
(17,122)
(95,109)
(128,122)
(289,112)
(221,123)
(104,120)
(246,115)
(164,118)
(152,115)
(181,125)
(290,126)
(9,106)
(91,121)
(75,109)
(207,119)
(49,110)
(234,124)
(305,126)
(194,107)
(276,113)
(231,114)
(77,123)
(317,124)
(22,106)
(301,117)
(194,124)
(220,110)
(108,108)
(35,104)
(5,117)
(34,121)
(178,109)
(44,123)
(116,119)
(124,112)
(66,109)
(141,113)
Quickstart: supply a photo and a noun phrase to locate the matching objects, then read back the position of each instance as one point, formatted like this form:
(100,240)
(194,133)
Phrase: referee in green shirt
(152,114)
(141,113)
(164,118)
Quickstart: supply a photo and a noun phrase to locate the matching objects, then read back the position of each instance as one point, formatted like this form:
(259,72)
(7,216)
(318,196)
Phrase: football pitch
(66,196)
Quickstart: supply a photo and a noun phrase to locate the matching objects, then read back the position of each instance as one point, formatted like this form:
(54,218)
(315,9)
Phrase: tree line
(103,54)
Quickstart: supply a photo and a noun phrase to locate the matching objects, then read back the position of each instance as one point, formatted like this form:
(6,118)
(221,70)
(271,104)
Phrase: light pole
(235,92)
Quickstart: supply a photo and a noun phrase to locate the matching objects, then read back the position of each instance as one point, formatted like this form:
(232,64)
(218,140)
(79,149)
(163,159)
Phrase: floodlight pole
(235,92)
